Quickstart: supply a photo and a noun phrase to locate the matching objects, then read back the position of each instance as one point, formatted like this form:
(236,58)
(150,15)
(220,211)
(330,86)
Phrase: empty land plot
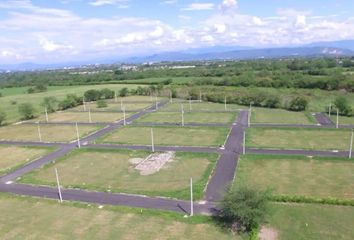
(137,98)
(117,171)
(343,120)
(312,221)
(115,106)
(203,106)
(261,115)
(298,138)
(12,157)
(83,117)
(298,175)
(189,117)
(28,218)
(49,133)
(170,136)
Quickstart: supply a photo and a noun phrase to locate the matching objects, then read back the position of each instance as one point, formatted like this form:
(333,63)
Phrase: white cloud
(228,4)
(199,6)
(98,3)
(50,46)
(169,2)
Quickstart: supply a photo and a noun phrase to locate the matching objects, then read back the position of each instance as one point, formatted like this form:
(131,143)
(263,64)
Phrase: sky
(55,31)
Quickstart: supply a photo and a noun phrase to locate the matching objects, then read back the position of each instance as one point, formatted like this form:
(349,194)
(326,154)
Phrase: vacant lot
(114,170)
(343,120)
(203,106)
(28,218)
(50,133)
(115,106)
(13,97)
(297,175)
(262,115)
(13,157)
(175,136)
(313,221)
(300,138)
(189,117)
(83,117)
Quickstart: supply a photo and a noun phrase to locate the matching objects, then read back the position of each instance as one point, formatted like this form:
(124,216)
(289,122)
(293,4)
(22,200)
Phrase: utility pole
(182,112)
(337,122)
(152,141)
(200,96)
(170,96)
(191,189)
(351,144)
(46,114)
(329,109)
(225,104)
(78,135)
(58,184)
(115,96)
(190,104)
(89,112)
(39,132)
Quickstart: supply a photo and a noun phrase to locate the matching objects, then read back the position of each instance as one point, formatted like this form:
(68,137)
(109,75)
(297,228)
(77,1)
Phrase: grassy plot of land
(139,98)
(203,106)
(83,117)
(262,115)
(115,106)
(28,218)
(114,170)
(313,221)
(298,175)
(343,120)
(49,133)
(300,138)
(12,157)
(170,136)
(9,103)
(189,117)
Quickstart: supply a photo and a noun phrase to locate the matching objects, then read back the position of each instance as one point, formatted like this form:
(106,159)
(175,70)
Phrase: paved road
(323,119)
(298,152)
(108,198)
(224,172)
(278,125)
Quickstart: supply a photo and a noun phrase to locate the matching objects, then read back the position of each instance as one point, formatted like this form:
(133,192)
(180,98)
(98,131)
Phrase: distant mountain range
(319,49)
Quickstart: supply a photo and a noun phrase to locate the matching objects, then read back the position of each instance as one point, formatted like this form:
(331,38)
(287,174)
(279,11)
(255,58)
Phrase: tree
(343,106)
(92,95)
(298,104)
(246,207)
(101,104)
(107,93)
(49,103)
(123,92)
(26,110)
(2,117)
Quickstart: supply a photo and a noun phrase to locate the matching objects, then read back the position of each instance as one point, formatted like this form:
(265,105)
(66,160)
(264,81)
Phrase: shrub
(298,104)
(26,110)
(92,95)
(2,117)
(245,207)
(101,104)
(343,106)
(49,103)
(123,92)
(107,93)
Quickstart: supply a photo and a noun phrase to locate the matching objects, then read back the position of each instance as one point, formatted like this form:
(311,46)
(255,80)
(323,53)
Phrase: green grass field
(111,170)
(13,157)
(115,106)
(343,120)
(172,136)
(203,106)
(50,133)
(189,117)
(29,218)
(82,117)
(262,115)
(312,221)
(298,175)
(299,138)
(15,96)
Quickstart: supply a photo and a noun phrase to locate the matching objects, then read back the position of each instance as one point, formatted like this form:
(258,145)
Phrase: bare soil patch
(268,233)
(153,163)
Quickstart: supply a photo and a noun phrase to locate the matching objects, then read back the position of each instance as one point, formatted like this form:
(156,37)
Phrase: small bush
(101,104)
(298,104)
(26,111)
(2,117)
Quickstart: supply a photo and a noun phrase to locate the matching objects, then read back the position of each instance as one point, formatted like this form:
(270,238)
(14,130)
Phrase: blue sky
(45,31)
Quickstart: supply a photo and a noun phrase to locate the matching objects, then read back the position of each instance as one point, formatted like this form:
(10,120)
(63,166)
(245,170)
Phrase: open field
(299,138)
(343,120)
(82,117)
(13,157)
(298,175)
(189,117)
(115,170)
(115,106)
(203,106)
(263,115)
(9,103)
(50,133)
(172,136)
(312,221)
(29,218)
